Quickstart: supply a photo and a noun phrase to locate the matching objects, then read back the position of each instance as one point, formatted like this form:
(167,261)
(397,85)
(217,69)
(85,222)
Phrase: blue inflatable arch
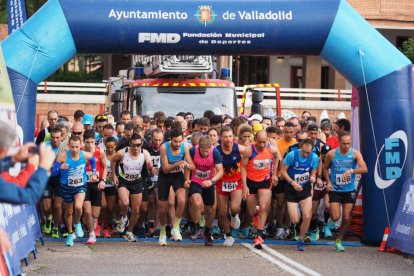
(329,28)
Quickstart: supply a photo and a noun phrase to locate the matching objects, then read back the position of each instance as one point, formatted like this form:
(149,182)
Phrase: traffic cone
(383,246)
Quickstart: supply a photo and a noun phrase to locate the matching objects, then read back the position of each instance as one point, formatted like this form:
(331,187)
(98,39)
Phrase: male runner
(230,185)
(72,167)
(257,179)
(299,169)
(175,157)
(343,162)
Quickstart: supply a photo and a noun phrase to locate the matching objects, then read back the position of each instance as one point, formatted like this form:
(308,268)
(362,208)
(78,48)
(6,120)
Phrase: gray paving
(121,258)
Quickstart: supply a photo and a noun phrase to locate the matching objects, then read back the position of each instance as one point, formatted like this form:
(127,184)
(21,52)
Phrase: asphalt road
(186,258)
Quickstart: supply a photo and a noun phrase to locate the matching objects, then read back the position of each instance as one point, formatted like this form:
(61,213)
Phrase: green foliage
(80,76)
(408,48)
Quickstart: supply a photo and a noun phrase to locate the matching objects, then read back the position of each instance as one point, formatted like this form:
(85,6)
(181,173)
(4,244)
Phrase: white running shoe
(92,238)
(280,233)
(176,235)
(228,241)
(130,237)
(235,221)
(163,239)
(120,227)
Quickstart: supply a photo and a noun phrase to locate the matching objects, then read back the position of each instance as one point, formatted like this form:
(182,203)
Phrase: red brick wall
(66,110)
(398,13)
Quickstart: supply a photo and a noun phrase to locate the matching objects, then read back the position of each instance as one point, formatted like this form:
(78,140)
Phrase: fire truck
(173,83)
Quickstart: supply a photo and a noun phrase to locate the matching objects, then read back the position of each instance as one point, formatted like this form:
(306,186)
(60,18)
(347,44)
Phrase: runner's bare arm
(244,161)
(219,172)
(326,167)
(103,164)
(188,159)
(283,172)
(362,166)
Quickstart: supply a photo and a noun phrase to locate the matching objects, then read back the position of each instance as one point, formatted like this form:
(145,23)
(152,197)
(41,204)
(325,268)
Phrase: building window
(296,76)
(399,40)
(250,70)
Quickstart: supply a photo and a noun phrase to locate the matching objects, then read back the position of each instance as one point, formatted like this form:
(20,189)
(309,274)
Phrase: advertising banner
(16,11)
(402,230)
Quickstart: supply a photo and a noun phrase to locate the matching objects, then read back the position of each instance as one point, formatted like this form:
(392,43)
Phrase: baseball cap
(325,149)
(256,117)
(312,127)
(87,119)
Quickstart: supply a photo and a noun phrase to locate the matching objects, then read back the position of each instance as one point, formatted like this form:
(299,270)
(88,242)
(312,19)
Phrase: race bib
(260,164)
(302,178)
(132,176)
(229,186)
(202,175)
(75,181)
(89,176)
(340,179)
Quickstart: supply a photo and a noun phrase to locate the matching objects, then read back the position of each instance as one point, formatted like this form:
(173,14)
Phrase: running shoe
(228,241)
(246,232)
(208,241)
(55,232)
(106,233)
(79,230)
(47,227)
(69,239)
(307,239)
(176,235)
(163,239)
(258,241)
(202,221)
(139,232)
(235,222)
(216,231)
(301,245)
(198,234)
(91,239)
(64,231)
(129,236)
(280,233)
(97,230)
(338,246)
(265,233)
(235,232)
(327,231)
(168,231)
(315,235)
(120,227)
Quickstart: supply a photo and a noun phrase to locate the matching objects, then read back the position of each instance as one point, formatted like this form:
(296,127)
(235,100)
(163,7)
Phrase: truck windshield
(173,100)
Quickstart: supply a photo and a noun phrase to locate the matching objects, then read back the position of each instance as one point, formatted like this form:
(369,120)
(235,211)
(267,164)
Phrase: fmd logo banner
(402,230)
(391,160)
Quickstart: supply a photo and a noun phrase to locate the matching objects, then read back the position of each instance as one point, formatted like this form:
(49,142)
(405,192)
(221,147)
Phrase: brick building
(394,19)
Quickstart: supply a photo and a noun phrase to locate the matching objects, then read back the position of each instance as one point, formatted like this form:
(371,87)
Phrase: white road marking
(273,260)
(290,261)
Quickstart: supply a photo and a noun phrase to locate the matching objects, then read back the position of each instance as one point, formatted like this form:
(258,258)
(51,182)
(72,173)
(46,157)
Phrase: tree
(408,48)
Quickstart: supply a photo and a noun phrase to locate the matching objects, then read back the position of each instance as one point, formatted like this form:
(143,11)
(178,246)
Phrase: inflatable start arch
(329,28)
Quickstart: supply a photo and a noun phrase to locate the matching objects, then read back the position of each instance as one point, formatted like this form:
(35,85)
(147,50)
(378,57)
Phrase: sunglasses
(101,117)
(136,145)
(77,133)
(300,140)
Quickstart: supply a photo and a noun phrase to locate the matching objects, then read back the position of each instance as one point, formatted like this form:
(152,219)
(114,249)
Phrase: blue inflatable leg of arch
(329,28)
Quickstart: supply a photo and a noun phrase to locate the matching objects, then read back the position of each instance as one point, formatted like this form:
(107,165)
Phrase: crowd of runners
(214,177)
